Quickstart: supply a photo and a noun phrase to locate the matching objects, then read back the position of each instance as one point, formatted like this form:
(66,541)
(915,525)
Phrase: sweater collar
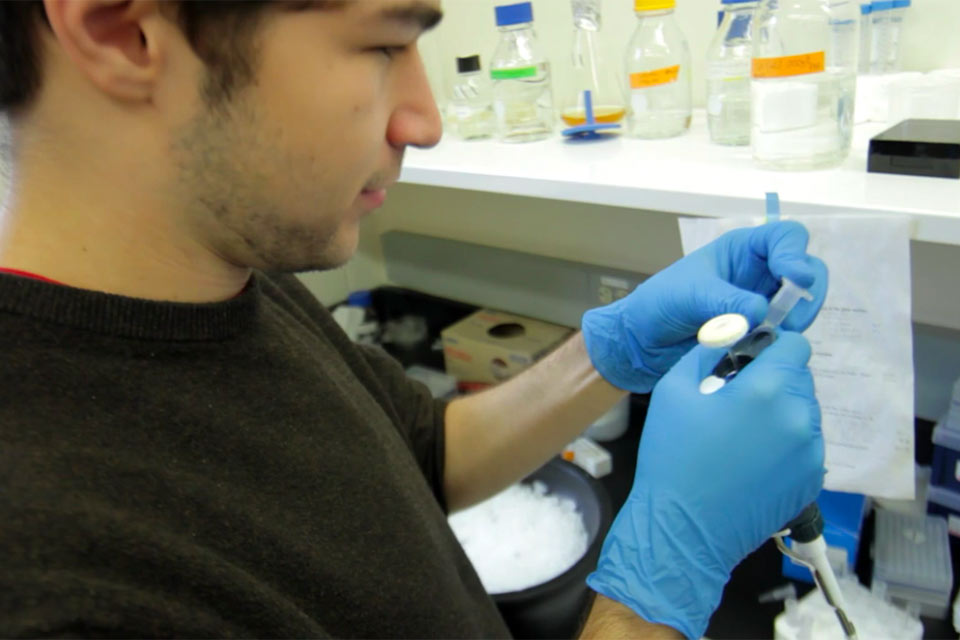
(122,316)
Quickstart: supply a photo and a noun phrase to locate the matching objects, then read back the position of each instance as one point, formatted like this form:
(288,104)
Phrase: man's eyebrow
(423,16)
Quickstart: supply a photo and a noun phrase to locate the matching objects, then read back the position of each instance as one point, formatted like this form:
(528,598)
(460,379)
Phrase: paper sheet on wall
(862,343)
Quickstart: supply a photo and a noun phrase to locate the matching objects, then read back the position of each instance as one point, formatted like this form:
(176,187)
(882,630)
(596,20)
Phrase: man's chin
(334,256)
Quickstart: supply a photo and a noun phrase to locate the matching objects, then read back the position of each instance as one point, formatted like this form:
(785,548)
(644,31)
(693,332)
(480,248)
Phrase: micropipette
(806,530)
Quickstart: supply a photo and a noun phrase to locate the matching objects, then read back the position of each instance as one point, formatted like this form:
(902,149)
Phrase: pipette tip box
(911,562)
(917,148)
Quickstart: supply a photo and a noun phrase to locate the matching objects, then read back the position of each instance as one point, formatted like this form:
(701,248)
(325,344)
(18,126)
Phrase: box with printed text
(490,346)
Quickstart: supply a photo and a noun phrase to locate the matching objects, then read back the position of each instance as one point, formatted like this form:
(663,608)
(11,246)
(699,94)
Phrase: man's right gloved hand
(716,476)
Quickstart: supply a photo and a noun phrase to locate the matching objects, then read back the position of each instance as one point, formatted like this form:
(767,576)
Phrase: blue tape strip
(773,206)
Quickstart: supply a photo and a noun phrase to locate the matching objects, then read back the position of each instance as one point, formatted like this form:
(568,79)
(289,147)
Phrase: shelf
(687,176)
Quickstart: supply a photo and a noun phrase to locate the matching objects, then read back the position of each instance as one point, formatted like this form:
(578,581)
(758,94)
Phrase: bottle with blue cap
(728,75)
(522,95)
(803,83)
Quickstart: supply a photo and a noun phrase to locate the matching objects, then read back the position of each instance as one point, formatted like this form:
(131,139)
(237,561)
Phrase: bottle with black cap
(470,111)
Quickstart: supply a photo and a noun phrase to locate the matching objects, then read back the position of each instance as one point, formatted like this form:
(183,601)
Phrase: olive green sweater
(218,470)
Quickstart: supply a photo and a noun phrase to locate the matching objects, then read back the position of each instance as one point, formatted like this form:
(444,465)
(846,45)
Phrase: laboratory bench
(739,615)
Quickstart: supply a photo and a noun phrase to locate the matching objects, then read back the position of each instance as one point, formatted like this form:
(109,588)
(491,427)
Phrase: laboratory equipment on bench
(589,72)
(917,147)
(470,110)
(885,26)
(590,128)
(811,618)
(911,562)
(589,456)
(866,36)
(803,83)
(806,530)
(895,25)
(522,95)
(658,73)
(879,34)
(728,75)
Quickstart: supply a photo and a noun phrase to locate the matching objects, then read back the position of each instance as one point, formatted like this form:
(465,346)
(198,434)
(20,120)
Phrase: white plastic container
(926,96)
(866,37)
(880,35)
(522,95)
(803,83)
(658,73)
(728,75)
(811,618)
(895,25)
(956,613)
(948,73)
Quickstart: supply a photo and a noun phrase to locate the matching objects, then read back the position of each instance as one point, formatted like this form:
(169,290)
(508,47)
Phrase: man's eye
(391,51)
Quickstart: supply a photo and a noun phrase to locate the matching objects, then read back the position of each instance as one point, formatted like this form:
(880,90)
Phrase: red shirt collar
(27,274)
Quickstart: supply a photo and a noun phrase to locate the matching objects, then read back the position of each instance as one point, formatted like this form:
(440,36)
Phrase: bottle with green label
(522,95)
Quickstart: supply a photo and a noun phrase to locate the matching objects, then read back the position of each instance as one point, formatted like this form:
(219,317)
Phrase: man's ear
(115,43)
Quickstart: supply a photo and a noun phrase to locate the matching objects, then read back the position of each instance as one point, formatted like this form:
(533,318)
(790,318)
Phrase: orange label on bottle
(643,79)
(785,66)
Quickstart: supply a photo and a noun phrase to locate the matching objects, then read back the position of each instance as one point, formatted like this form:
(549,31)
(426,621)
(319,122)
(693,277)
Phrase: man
(190,447)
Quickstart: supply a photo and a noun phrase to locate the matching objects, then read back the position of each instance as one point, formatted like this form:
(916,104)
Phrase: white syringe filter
(784,301)
(723,331)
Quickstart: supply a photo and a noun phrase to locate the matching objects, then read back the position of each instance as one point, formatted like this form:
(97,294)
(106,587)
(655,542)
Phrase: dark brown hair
(221,33)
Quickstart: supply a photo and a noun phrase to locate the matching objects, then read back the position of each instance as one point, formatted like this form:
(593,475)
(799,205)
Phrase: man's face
(280,174)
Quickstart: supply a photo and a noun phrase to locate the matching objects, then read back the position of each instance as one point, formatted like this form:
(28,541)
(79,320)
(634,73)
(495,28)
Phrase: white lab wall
(929,39)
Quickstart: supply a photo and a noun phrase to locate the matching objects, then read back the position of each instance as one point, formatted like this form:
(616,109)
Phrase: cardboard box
(491,346)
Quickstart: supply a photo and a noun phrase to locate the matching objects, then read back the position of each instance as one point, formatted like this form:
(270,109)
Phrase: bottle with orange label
(589,72)
(658,73)
(803,83)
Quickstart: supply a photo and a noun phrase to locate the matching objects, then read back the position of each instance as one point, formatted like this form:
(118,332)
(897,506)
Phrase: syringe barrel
(784,301)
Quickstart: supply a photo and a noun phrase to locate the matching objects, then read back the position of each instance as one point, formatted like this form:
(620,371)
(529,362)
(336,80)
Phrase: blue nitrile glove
(716,476)
(635,340)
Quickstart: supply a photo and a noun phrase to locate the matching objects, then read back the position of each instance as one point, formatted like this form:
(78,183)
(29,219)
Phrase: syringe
(806,530)
(783,302)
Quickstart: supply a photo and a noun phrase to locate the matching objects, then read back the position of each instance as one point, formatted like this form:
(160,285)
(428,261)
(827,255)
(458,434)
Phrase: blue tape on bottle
(773,206)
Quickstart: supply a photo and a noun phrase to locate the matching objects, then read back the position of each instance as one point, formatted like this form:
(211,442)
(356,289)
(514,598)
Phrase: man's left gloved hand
(636,340)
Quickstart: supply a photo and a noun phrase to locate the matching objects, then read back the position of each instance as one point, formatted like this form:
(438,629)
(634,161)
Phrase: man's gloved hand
(716,476)
(636,340)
